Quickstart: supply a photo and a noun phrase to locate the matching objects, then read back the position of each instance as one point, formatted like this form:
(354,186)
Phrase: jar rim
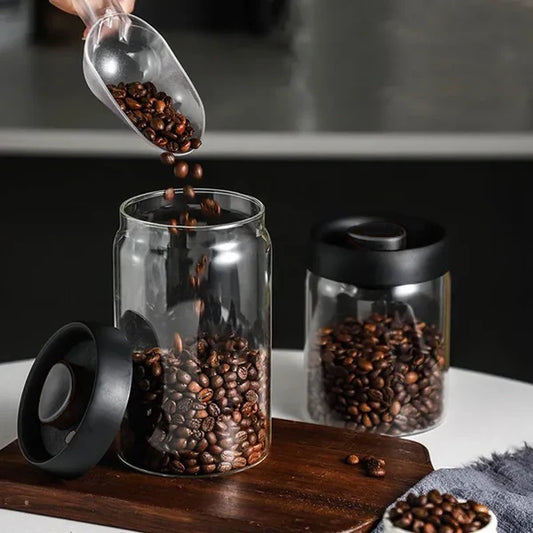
(210,227)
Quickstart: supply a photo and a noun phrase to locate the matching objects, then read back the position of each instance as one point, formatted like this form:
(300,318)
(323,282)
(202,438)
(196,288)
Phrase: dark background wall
(59,216)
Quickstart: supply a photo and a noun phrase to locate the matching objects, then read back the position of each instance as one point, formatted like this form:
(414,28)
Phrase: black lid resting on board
(74,398)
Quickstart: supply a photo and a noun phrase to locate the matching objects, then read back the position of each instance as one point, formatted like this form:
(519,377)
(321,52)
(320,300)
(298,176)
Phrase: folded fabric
(504,483)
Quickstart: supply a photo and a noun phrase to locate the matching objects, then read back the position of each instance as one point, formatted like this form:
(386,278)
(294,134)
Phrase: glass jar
(194,303)
(378,324)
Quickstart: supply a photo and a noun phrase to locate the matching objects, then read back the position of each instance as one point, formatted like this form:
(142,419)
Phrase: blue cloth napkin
(504,483)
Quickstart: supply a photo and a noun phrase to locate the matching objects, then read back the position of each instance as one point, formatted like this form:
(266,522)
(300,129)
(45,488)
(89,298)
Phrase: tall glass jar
(194,302)
(378,324)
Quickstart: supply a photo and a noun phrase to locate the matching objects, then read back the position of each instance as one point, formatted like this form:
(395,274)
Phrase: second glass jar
(194,303)
(378,324)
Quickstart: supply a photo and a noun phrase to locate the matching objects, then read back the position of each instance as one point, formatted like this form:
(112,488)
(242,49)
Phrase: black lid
(75,398)
(378,251)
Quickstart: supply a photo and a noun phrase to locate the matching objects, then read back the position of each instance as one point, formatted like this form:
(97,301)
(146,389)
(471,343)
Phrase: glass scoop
(124,48)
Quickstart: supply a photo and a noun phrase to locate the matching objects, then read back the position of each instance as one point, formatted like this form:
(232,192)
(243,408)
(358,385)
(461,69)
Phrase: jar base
(332,422)
(189,476)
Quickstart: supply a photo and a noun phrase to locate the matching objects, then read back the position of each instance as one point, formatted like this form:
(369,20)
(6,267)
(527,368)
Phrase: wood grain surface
(303,485)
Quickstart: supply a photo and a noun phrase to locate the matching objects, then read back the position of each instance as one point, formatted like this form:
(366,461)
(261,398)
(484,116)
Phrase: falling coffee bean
(197,171)
(181,169)
(167,158)
(169,194)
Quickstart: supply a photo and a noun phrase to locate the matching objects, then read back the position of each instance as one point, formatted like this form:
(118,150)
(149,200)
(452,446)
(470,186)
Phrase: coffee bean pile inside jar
(439,513)
(378,316)
(381,373)
(198,407)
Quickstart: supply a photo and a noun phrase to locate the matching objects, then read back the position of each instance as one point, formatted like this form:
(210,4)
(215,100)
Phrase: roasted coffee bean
(197,171)
(181,169)
(167,158)
(177,467)
(205,395)
(178,343)
(188,191)
(378,374)
(185,147)
(351,459)
(189,416)
(374,467)
(169,194)
(239,462)
(224,467)
(174,222)
(436,512)
(196,143)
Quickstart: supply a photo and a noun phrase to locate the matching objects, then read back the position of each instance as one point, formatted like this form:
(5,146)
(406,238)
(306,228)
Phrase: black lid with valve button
(75,398)
(378,251)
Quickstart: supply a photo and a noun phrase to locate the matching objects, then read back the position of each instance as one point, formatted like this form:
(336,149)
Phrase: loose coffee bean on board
(374,467)
(187,419)
(351,459)
(381,374)
(441,513)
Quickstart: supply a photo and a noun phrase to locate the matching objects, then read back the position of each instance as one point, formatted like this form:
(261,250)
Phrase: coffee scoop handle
(91,10)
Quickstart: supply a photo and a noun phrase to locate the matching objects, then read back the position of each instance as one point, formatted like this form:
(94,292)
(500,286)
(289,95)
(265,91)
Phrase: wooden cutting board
(303,485)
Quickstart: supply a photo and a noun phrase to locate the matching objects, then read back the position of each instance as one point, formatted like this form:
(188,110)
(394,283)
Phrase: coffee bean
(169,194)
(224,467)
(181,169)
(206,458)
(149,133)
(185,147)
(197,171)
(132,104)
(239,462)
(196,143)
(436,512)
(177,467)
(198,417)
(251,396)
(352,459)
(188,191)
(178,343)
(374,375)
(205,395)
(403,522)
(174,222)
(168,158)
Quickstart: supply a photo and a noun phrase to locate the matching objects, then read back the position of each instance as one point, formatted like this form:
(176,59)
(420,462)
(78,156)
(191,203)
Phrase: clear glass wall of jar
(195,304)
(378,325)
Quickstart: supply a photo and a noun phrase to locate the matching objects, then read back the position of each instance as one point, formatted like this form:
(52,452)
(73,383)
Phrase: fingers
(127,5)
(67,5)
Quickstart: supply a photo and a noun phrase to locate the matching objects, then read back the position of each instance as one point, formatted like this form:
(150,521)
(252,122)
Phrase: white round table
(485,414)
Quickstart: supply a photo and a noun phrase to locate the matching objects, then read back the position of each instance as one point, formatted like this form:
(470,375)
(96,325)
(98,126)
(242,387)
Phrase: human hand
(67,5)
